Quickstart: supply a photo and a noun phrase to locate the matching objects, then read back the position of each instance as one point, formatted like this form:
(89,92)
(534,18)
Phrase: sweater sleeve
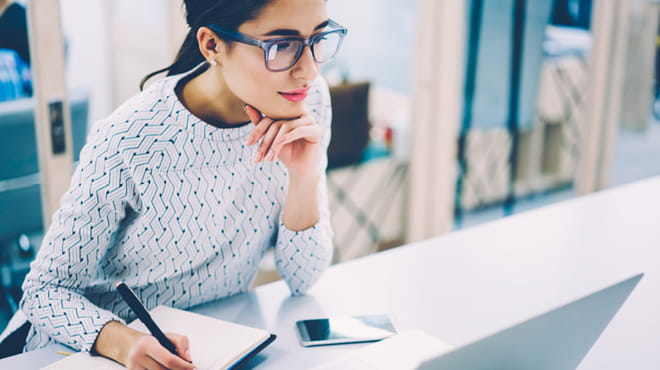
(302,256)
(80,234)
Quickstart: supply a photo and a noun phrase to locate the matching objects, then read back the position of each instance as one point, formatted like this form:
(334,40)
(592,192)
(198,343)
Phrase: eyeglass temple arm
(236,36)
(338,26)
(332,23)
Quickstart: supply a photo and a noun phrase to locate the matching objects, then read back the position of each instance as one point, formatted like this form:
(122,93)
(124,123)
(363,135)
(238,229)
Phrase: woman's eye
(284,46)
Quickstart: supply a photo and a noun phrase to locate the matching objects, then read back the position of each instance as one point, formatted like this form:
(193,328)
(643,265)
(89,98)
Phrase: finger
(168,359)
(305,120)
(309,133)
(182,345)
(264,147)
(253,113)
(259,131)
(285,128)
(313,129)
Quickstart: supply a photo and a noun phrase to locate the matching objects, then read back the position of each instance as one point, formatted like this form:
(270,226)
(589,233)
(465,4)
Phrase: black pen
(142,314)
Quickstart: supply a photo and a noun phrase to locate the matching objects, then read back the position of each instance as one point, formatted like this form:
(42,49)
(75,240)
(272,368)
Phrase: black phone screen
(343,329)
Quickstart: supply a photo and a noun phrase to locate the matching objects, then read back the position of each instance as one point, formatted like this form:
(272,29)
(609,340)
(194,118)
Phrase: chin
(286,114)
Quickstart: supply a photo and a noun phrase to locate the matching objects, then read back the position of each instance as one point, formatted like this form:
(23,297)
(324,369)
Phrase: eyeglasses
(283,53)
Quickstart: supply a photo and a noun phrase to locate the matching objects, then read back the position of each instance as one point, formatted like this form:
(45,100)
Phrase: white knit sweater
(174,207)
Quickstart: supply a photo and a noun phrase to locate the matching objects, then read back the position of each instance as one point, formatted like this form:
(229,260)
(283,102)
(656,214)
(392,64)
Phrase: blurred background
(447,113)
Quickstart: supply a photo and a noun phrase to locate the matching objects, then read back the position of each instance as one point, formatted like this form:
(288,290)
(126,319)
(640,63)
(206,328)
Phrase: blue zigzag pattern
(175,208)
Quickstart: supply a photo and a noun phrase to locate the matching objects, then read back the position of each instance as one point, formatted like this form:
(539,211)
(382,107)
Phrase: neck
(208,97)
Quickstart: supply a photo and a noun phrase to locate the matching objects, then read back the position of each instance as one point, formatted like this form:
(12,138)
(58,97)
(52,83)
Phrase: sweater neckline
(196,125)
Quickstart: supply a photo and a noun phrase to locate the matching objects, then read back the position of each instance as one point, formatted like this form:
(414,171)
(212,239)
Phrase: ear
(209,45)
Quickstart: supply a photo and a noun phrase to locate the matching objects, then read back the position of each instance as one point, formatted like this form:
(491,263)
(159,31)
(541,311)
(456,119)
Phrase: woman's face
(243,66)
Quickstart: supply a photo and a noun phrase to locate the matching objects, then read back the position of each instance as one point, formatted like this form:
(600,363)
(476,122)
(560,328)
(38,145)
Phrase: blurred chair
(365,181)
(21,221)
(350,123)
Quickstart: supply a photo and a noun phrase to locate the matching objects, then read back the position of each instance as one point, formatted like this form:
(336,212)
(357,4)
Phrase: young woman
(183,188)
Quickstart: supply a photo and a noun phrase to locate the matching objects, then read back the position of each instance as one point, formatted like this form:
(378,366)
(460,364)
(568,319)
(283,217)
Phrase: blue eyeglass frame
(266,44)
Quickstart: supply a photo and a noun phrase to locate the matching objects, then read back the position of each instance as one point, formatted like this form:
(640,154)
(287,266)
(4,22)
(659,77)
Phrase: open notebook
(214,344)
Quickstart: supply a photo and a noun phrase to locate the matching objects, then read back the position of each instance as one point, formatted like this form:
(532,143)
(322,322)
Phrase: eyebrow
(289,32)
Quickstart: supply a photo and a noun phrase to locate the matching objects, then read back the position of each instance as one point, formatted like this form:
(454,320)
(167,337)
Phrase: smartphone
(344,329)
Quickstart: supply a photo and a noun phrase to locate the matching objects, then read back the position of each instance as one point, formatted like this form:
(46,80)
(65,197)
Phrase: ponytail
(187,57)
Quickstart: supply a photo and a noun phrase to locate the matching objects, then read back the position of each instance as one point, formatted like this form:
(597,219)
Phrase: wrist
(301,209)
(115,340)
(304,179)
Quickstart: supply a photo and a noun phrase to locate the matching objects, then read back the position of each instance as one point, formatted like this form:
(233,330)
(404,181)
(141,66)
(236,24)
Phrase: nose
(306,68)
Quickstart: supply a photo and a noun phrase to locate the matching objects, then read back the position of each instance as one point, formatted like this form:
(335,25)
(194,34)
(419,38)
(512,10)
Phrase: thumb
(182,345)
(253,113)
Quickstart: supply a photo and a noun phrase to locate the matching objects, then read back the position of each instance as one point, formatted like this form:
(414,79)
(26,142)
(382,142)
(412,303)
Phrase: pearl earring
(213,62)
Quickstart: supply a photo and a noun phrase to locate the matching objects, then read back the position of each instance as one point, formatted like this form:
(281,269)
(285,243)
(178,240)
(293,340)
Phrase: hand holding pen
(157,351)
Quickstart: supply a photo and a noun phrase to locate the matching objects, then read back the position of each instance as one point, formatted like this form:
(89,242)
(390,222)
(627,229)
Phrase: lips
(295,95)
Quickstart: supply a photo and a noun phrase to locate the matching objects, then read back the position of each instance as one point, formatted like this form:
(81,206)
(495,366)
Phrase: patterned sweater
(174,207)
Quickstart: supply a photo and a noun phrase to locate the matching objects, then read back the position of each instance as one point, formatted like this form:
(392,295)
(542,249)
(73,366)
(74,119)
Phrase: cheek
(248,79)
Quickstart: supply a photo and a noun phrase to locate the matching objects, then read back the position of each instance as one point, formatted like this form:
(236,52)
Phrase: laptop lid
(558,339)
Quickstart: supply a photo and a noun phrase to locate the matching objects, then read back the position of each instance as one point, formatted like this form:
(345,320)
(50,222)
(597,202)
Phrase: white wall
(377,43)
(88,65)
(112,44)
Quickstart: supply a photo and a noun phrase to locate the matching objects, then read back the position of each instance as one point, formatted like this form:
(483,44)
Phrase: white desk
(465,285)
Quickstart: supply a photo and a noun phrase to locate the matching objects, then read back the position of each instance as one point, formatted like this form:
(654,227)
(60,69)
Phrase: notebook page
(214,344)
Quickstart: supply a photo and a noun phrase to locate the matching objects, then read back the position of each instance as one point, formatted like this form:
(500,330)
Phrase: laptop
(557,339)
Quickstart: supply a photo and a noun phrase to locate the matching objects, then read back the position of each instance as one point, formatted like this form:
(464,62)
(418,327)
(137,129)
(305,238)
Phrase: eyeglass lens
(284,54)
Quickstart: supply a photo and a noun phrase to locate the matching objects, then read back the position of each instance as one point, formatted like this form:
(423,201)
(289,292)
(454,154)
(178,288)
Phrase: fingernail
(188,355)
(271,155)
(258,157)
(248,141)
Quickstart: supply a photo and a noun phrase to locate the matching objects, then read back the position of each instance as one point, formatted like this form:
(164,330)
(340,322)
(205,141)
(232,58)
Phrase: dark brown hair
(226,13)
